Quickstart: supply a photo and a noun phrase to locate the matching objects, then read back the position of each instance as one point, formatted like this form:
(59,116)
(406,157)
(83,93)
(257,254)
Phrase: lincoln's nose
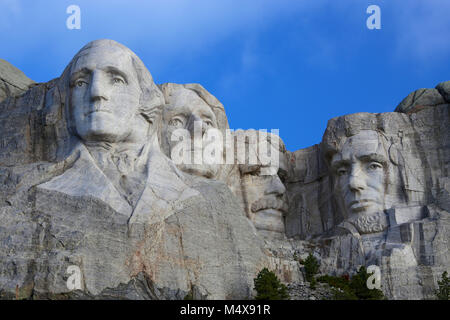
(356,181)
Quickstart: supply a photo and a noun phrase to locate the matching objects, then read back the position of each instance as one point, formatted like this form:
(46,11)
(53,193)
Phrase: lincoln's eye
(283,175)
(80,83)
(341,171)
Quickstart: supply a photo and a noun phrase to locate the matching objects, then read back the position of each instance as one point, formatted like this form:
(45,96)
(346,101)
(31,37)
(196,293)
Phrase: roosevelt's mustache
(270,203)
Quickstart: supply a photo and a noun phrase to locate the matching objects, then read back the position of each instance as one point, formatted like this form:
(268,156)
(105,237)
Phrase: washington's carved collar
(125,167)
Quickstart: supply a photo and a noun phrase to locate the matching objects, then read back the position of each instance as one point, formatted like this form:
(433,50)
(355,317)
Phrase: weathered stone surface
(419,99)
(192,108)
(444,90)
(302,291)
(13,82)
(88,189)
(261,183)
(86,182)
(404,232)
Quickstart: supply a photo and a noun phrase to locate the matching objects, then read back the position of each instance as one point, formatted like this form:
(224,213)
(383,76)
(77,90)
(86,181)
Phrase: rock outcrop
(86,183)
(13,82)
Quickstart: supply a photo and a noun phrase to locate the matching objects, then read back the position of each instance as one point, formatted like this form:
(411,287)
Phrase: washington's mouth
(96,111)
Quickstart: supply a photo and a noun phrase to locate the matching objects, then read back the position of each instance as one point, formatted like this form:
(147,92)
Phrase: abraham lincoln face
(359,169)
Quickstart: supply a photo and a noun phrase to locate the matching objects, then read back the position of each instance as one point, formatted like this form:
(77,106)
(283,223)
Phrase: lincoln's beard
(370,223)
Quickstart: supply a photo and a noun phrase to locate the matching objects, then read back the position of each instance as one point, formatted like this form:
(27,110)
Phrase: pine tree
(444,287)
(311,267)
(269,287)
(358,285)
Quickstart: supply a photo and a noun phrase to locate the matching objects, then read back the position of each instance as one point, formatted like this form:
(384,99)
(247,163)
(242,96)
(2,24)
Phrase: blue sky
(284,64)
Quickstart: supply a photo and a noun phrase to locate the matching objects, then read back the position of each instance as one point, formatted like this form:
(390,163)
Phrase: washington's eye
(375,166)
(176,122)
(208,122)
(118,80)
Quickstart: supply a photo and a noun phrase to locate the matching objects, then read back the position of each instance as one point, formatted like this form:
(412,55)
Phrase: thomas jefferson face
(265,195)
(359,170)
(105,95)
(187,111)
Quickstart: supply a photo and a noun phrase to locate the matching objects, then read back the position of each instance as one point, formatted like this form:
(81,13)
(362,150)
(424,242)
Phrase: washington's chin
(100,134)
(101,129)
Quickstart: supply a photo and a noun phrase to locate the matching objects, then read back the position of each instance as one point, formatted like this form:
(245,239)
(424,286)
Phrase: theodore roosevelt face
(265,193)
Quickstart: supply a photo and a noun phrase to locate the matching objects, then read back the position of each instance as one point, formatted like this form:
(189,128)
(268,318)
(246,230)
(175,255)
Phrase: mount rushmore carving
(147,191)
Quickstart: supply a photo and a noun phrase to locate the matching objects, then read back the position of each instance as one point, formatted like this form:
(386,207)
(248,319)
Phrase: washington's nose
(275,187)
(98,88)
(356,181)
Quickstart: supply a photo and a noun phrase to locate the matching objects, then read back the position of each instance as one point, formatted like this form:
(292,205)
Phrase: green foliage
(343,294)
(355,288)
(269,287)
(313,283)
(336,282)
(189,296)
(358,284)
(443,293)
(311,268)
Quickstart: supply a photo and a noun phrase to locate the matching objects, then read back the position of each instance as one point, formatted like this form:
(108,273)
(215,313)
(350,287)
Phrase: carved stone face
(265,196)
(105,95)
(359,171)
(187,111)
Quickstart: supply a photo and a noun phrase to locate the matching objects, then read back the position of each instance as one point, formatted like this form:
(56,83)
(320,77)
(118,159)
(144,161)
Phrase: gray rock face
(76,191)
(86,183)
(13,82)
(378,195)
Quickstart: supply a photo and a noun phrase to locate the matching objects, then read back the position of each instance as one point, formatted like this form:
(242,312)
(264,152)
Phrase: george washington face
(105,95)
(359,171)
